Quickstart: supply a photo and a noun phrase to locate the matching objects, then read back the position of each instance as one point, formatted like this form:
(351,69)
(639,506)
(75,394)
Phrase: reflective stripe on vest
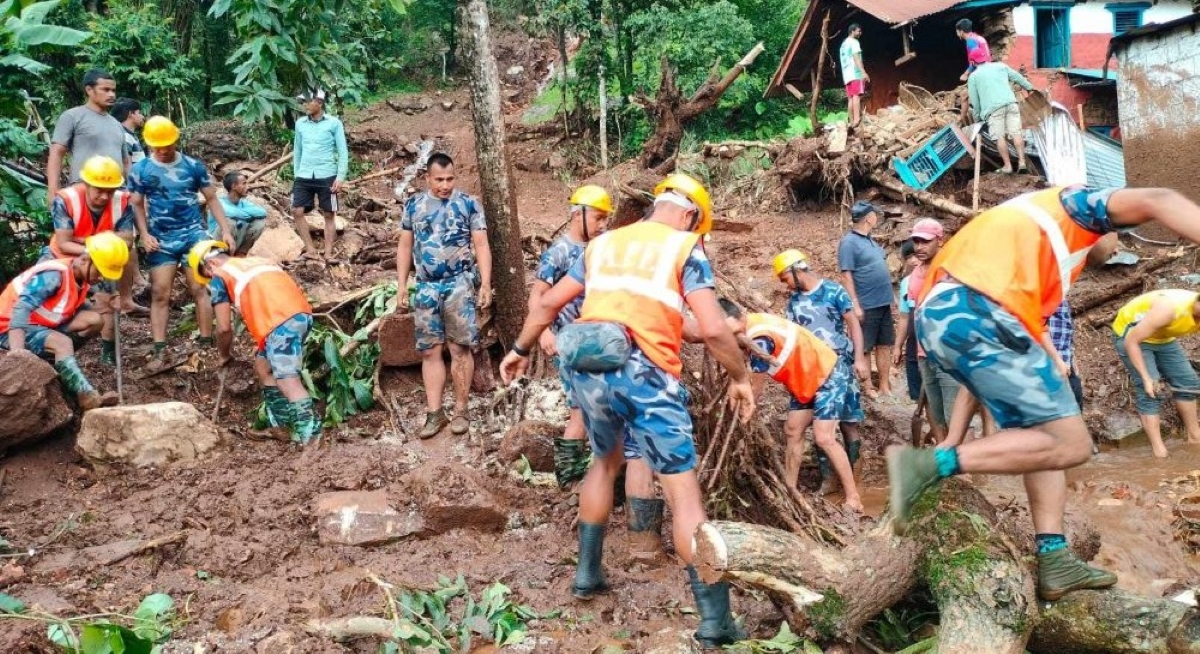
(75,199)
(243,278)
(1067,260)
(56,309)
(789,344)
(657,287)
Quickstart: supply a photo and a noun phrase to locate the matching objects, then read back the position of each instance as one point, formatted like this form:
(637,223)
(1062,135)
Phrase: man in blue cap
(863,264)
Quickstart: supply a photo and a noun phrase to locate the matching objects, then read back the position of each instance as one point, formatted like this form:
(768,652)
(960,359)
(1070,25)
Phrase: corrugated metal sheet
(1105,161)
(896,12)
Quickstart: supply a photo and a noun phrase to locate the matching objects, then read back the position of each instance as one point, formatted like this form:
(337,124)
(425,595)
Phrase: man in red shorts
(854,75)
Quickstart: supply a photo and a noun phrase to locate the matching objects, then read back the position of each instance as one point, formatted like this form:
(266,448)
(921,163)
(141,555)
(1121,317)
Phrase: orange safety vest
(75,197)
(804,361)
(264,295)
(634,276)
(1023,254)
(58,308)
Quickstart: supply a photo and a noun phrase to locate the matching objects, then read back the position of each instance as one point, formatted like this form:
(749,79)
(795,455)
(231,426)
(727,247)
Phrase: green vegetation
(785,642)
(153,622)
(826,615)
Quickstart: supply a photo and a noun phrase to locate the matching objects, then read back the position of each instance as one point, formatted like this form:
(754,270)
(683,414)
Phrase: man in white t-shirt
(854,75)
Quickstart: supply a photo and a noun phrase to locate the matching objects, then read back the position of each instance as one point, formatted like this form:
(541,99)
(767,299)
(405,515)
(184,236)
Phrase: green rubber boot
(72,377)
(1059,573)
(108,352)
(571,461)
(910,473)
(279,410)
(589,576)
(306,426)
(830,483)
(645,516)
(717,626)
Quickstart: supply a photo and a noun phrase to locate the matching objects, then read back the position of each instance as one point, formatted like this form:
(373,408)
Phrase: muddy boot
(830,483)
(717,626)
(589,576)
(1059,573)
(571,461)
(77,384)
(108,353)
(645,526)
(279,410)
(434,423)
(306,425)
(910,473)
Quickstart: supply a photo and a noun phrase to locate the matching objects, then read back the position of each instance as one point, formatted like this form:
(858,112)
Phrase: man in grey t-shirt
(86,131)
(865,274)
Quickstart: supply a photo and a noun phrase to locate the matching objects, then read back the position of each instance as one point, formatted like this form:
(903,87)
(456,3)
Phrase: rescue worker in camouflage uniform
(590,208)
(44,311)
(981,317)
(443,236)
(624,351)
(277,316)
(169,219)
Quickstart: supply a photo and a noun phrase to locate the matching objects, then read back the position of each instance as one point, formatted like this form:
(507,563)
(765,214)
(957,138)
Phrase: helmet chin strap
(583,215)
(795,276)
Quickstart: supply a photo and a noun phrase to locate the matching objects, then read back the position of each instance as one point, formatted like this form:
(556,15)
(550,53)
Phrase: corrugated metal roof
(1105,161)
(891,11)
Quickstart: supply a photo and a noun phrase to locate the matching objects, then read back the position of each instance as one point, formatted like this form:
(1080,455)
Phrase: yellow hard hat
(199,253)
(785,260)
(109,253)
(694,191)
(592,196)
(102,172)
(159,132)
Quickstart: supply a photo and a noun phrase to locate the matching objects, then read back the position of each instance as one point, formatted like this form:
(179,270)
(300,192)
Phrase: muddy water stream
(1129,496)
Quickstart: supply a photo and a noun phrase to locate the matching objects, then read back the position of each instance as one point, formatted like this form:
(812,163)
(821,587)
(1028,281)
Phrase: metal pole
(117,347)
(603,121)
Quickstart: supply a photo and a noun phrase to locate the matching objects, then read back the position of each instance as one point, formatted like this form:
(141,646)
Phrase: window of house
(1127,15)
(1052,35)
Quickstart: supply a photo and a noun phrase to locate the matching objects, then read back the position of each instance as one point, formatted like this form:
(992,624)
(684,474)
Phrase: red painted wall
(1087,51)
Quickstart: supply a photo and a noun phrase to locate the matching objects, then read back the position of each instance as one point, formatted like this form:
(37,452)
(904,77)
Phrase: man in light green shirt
(993,100)
(320,161)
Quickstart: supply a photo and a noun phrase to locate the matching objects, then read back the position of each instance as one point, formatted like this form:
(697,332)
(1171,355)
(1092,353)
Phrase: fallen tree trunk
(921,197)
(671,112)
(1081,304)
(959,549)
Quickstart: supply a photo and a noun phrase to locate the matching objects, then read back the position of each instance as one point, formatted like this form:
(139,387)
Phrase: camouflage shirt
(822,311)
(442,234)
(555,264)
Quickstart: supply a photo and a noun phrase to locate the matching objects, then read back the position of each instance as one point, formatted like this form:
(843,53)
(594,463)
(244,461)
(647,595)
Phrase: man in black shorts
(320,162)
(863,264)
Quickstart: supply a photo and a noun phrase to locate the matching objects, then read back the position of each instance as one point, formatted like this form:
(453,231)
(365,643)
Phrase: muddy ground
(251,571)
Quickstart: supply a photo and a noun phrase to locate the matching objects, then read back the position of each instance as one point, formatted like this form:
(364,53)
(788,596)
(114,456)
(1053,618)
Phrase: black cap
(862,208)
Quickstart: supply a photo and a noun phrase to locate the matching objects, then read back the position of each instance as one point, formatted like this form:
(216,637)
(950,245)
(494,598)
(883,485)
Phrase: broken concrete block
(534,439)
(362,518)
(146,435)
(452,496)
(398,341)
(31,400)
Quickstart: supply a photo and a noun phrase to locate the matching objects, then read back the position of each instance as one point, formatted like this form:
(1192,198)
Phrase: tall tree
(495,175)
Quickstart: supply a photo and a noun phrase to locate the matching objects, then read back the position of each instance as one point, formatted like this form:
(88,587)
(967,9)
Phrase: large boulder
(31,400)
(534,439)
(146,435)
(279,243)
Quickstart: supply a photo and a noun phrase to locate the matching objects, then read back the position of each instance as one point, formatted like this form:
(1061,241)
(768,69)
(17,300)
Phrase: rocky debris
(452,496)
(447,105)
(397,341)
(316,222)
(515,72)
(31,400)
(410,104)
(283,642)
(146,434)
(535,440)
(279,243)
(556,161)
(45,600)
(362,518)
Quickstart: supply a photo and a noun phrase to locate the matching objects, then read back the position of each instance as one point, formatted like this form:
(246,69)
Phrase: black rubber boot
(645,526)
(589,576)
(830,483)
(717,626)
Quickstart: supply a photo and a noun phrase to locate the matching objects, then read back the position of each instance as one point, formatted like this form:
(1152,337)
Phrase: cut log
(921,197)
(375,175)
(958,548)
(1081,304)
(816,76)
(269,167)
